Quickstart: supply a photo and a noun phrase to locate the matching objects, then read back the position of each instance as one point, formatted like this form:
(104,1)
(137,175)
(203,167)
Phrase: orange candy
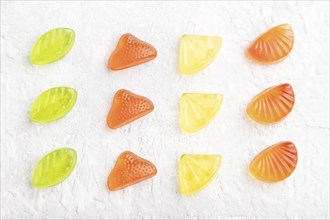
(272,105)
(275,163)
(127,107)
(130,169)
(131,51)
(272,46)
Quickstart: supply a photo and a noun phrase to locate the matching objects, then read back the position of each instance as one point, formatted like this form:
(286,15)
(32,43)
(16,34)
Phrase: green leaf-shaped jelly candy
(52,46)
(53,104)
(54,167)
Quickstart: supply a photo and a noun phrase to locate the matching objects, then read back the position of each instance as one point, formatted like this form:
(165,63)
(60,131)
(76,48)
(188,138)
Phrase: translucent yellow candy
(197,171)
(197,52)
(52,46)
(197,110)
(54,167)
(53,104)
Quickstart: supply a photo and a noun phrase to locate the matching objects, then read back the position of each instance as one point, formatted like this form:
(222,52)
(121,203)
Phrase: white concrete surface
(157,137)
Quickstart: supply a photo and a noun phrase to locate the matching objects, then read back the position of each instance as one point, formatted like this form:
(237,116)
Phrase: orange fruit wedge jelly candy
(127,107)
(275,163)
(272,46)
(272,105)
(130,169)
(130,51)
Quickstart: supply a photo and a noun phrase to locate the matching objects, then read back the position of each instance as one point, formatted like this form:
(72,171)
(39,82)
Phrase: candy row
(197,110)
(196,51)
(196,171)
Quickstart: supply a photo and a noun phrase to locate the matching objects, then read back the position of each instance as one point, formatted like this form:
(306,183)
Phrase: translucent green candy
(53,104)
(54,167)
(52,46)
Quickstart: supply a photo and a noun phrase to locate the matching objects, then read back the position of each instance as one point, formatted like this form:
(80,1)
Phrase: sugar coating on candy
(54,167)
(197,171)
(272,105)
(197,110)
(197,52)
(53,104)
(129,170)
(52,46)
(131,51)
(275,163)
(127,107)
(272,46)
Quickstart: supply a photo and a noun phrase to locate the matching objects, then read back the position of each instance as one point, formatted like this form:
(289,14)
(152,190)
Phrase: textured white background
(157,137)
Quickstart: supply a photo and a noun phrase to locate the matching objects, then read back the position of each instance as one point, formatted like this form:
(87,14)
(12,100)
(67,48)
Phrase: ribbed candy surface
(272,105)
(275,163)
(272,46)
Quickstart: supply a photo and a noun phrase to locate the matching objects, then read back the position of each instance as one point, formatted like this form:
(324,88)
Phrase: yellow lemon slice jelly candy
(54,167)
(53,104)
(52,46)
(197,110)
(197,171)
(197,52)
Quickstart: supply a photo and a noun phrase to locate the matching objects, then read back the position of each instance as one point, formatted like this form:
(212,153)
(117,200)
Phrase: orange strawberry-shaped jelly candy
(272,46)
(272,105)
(127,107)
(275,163)
(131,51)
(130,169)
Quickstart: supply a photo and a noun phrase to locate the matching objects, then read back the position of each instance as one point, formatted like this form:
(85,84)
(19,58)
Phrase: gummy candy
(272,46)
(272,105)
(197,171)
(54,167)
(127,107)
(197,52)
(197,110)
(129,170)
(131,51)
(53,104)
(275,163)
(52,46)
